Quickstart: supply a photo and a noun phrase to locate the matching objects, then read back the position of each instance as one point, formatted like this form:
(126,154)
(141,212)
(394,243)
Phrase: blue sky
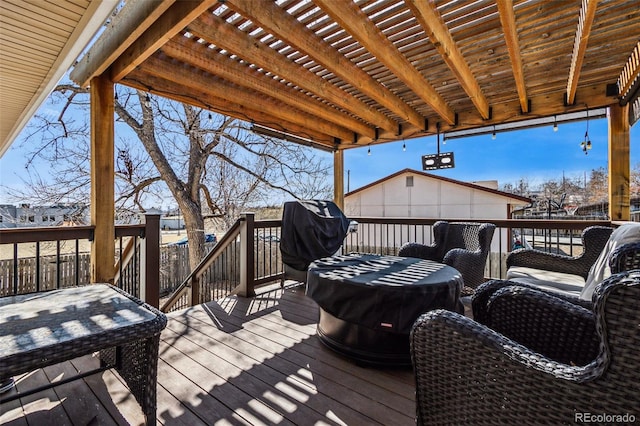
(536,155)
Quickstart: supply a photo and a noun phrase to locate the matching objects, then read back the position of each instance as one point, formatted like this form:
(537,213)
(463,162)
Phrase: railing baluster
(38,266)
(15,268)
(120,264)
(135,267)
(58,264)
(77,264)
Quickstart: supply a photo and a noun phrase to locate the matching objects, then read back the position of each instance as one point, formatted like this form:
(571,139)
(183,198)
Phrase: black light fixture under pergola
(441,160)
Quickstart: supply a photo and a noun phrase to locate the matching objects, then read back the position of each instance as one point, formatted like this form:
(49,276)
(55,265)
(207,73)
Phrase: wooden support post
(338,178)
(150,285)
(247,257)
(103,246)
(195,290)
(619,163)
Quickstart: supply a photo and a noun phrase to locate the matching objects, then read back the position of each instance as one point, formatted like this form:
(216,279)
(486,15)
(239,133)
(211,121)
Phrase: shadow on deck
(234,361)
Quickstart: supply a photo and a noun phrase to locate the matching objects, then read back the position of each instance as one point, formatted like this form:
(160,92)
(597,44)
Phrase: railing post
(195,290)
(247,257)
(150,261)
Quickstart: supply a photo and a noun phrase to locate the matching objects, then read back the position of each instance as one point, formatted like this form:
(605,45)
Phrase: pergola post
(619,163)
(338,178)
(102,181)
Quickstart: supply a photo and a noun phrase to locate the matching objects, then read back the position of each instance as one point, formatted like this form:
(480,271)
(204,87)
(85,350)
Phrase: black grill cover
(311,229)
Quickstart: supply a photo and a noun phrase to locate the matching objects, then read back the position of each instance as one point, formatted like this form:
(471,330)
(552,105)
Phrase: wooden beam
(619,163)
(205,100)
(587,13)
(191,52)
(508,21)
(439,35)
(102,208)
(224,35)
(281,24)
(349,16)
(196,79)
(630,75)
(164,28)
(338,178)
(125,27)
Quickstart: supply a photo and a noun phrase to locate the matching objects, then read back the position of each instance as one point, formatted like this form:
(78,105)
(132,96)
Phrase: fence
(174,266)
(58,257)
(27,275)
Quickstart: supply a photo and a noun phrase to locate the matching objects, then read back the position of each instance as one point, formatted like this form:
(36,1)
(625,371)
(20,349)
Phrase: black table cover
(382,292)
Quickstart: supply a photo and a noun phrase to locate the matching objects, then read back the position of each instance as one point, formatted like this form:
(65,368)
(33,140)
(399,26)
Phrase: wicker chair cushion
(627,233)
(558,282)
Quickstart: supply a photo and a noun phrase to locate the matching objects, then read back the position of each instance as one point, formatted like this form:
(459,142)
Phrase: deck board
(234,361)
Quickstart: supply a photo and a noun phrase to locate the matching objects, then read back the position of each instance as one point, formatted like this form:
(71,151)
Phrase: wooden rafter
(131,22)
(287,28)
(429,18)
(224,35)
(197,54)
(206,83)
(314,58)
(349,16)
(630,73)
(508,21)
(143,80)
(587,13)
(178,16)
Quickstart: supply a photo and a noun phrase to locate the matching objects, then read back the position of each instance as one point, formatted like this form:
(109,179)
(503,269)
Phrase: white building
(415,194)
(412,193)
(26,215)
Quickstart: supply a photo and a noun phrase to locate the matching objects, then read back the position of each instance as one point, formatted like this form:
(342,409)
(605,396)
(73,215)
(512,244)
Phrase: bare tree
(212,165)
(520,188)
(597,186)
(635,181)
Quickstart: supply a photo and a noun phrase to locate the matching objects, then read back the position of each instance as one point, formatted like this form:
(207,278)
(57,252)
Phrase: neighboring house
(172,222)
(415,194)
(412,193)
(26,215)
(601,210)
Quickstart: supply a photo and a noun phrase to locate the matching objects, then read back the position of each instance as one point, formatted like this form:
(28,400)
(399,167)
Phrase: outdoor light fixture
(210,119)
(440,160)
(586,143)
(369,150)
(404,146)
(531,123)
(493,135)
(555,124)
(147,98)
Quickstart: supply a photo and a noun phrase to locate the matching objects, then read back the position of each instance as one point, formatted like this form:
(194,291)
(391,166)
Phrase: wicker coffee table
(368,303)
(41,329)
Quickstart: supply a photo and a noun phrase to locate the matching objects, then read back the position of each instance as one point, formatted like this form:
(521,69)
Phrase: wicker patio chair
(469,373)
(464,246)
(594,239)
(624,258)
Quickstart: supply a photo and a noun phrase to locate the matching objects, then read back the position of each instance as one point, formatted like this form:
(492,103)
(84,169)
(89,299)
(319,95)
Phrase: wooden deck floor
(231,362)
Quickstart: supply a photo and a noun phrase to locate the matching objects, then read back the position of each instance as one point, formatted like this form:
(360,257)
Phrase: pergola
(339,74)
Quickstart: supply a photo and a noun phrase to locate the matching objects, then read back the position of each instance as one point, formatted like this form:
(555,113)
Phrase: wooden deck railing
(227,268)
(245,258)
(41,259)
(386,236)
